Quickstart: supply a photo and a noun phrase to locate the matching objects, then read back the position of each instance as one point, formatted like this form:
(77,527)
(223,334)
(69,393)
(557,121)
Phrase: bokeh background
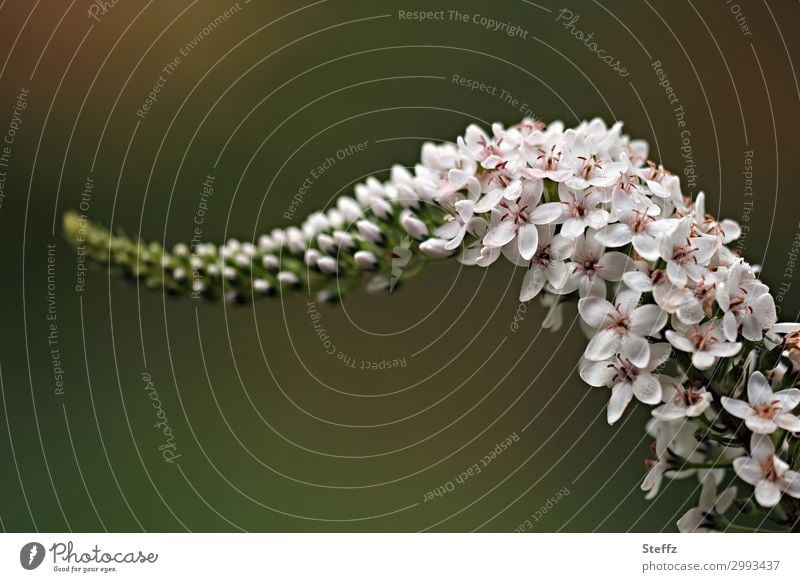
(273,433)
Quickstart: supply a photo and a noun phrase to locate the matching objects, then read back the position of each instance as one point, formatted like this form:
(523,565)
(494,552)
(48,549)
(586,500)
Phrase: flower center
(769,469)
(689,397)
(543,257)
(624,371)
(639,221)
(768,410)
(702,340)
(550,160)
(684,253)
(519,214)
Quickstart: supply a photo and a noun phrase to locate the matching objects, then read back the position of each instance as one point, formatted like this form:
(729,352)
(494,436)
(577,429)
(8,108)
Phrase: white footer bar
(390,557)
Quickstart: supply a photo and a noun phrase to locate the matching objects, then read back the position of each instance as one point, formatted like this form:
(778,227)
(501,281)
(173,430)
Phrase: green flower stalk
(326,257)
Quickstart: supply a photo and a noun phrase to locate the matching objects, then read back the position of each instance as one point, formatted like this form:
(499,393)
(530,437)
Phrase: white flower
(783,333)
(501,186)
(726,230)
(686,255)
(622,328)
(672,438)
(544,153)
(474,253)
(504,146)
(577,210)
(590,167)
(458,180)
(704,341)
(747,304)
(456,229)
(767,472)
(504,149)
(647,280)
(664,185)
(639,224)
(765,411)
(591,267)
(697,303)
(681,401)
(515,219)
(786,335)
(701,519)
(546,266)
(626,380)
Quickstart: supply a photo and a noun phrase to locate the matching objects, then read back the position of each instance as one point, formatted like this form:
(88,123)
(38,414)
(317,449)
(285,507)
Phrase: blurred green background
(273,433)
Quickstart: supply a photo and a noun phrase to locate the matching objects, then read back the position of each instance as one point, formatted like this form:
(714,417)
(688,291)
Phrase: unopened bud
(366,260)
(434,248)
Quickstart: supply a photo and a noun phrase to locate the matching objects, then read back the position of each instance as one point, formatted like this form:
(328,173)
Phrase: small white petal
(500,234)
(759,391)
(788,422)
(595,311)
(647,389)
(621,395)
(603,345)
(532,283)
(738,408)
(596,373)
(679,342)
(528,240)
(703,360)
(646,246)
(613,264)
(636,350)
(547,213)
(748,470)
(760,425)
(767,493)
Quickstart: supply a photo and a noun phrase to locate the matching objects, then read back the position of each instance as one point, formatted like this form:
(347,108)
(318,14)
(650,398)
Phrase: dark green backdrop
(273,433)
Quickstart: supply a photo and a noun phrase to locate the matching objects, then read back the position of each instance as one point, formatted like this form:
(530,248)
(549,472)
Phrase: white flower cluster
(675,318)
(584,212)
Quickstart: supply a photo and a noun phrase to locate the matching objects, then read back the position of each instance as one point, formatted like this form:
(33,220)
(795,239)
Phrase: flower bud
(370,231)
(270,262)
(434,248)
(261,286)
(344,239)
(366,260)
(295,240)
(180,250)
(325,243)
(242,260)
(327,265)
(349,208)
(288,279)
(311,257)
(265,244)
(413,225)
